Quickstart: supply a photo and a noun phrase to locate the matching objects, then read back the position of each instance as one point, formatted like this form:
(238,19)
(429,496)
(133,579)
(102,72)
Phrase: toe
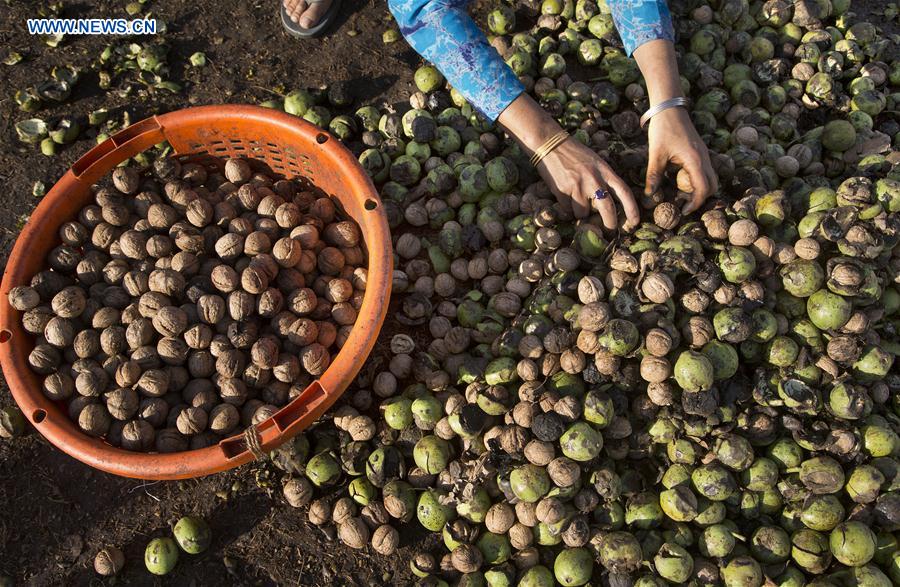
(312,15)
(299,7)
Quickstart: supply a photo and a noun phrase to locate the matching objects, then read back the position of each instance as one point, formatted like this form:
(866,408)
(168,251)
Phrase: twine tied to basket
(253,440)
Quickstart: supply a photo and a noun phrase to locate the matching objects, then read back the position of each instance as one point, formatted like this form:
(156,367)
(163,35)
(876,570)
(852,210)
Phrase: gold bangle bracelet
(548,146)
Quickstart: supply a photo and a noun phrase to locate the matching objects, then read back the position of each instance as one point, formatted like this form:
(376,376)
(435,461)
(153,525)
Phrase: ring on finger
(601,194)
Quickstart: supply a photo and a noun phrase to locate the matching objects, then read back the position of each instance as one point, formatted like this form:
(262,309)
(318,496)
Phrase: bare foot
(306,14)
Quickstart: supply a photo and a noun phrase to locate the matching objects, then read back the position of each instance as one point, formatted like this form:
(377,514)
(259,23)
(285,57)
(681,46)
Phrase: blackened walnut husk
(548,426)
(700,403)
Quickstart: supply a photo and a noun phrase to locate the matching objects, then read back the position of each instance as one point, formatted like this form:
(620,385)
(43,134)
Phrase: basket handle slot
(270,430)
(144,127)
(144,132)
(300,406)
(92,157)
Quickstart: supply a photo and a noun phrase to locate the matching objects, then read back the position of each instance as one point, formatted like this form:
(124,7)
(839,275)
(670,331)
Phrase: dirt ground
(56,513)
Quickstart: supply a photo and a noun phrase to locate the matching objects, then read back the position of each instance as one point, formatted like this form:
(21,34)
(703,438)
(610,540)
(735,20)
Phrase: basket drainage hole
(5,335)
(321,138)
(38,416)
(371,204)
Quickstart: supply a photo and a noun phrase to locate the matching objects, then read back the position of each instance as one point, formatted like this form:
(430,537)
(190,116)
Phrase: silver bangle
(664,105)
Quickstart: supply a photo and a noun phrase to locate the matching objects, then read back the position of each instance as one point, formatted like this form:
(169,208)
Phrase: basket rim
(289,420)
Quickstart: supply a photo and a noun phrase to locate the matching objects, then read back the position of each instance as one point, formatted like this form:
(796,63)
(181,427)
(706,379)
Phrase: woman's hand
(575,175)
(673,139)
(573,172)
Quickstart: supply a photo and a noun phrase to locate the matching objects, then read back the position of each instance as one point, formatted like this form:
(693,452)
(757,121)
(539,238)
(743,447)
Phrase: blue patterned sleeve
(640,21)
(442,32)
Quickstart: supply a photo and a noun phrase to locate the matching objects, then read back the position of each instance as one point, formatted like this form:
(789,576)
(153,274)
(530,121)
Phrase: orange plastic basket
(290,147)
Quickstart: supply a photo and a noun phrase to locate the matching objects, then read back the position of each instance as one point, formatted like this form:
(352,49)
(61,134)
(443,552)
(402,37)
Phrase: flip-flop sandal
(298,31)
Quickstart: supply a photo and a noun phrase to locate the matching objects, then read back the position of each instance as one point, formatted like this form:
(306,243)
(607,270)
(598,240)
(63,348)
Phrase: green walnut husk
(537,576)
(65,132)
(31,131)
(192,534)
(431,512)
(12,422)
(810,550)
(427,78)
(839,135)
(298,102)
(732,325)
(802,278)
(161,556)
(573,567)
(598,408)
(679,503)
(713,482)
(398,413)
(827,310)
(673,563)
(495,548)
(737,264)
(431,454)
(581,442)
(362,491)
(323,469)
(502,20)
(873,364)
(529,482)
(852,544)
(474,504)
(693,371)
(620,552)
(723,357)
(620,337)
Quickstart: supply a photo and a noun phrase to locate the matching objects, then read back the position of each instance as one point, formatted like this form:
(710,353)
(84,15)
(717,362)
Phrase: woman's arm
(641,21)
(647,33)
(671,133)
(442,32)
